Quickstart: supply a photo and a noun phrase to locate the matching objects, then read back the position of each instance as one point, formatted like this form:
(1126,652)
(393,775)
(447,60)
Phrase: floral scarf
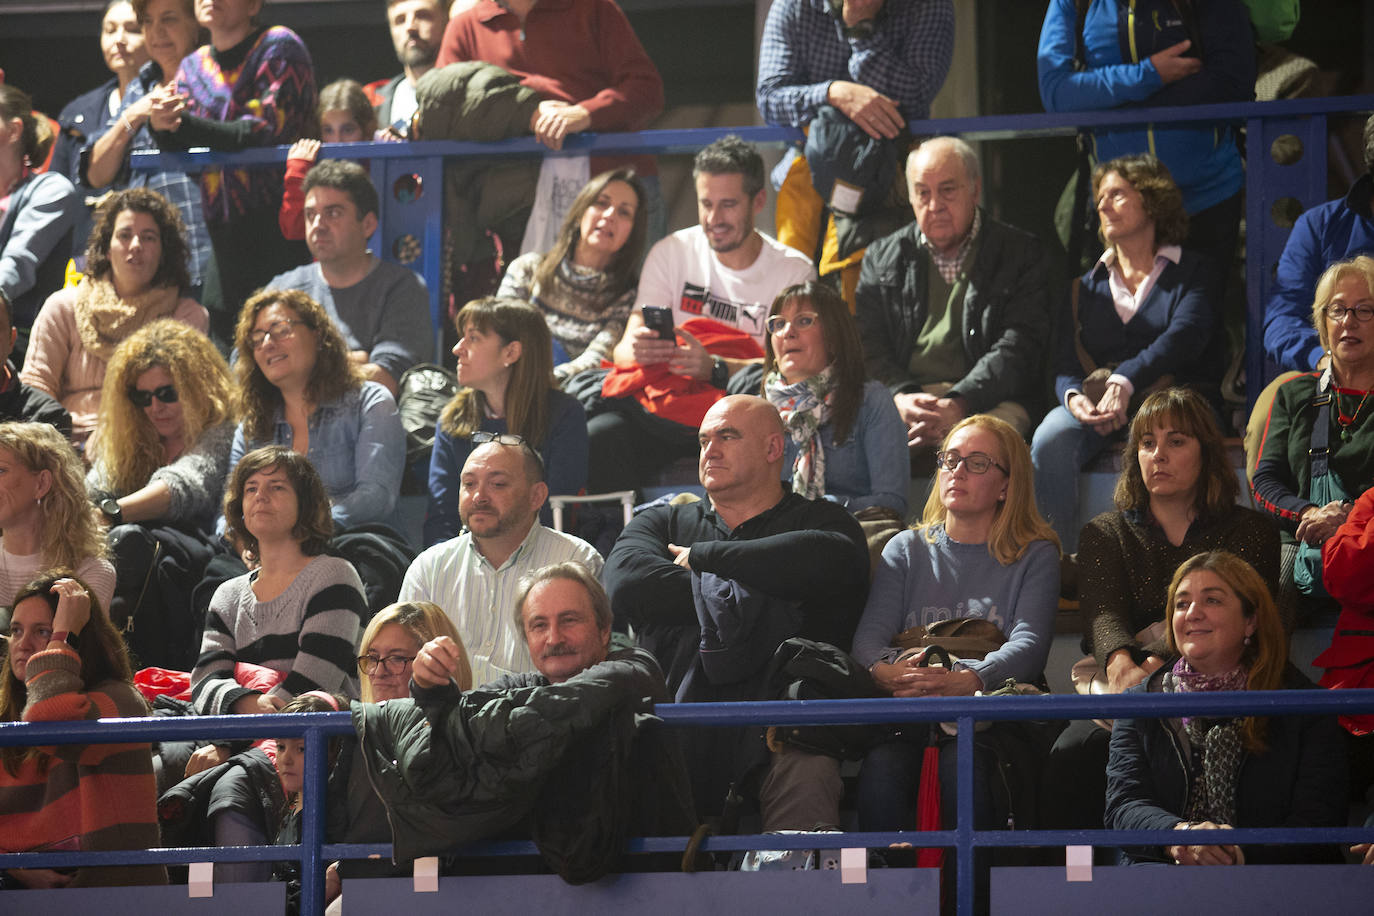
(103,319)
(1213,796)
(805,408)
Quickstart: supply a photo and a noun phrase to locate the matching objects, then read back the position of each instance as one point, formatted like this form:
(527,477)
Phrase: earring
(1247,640)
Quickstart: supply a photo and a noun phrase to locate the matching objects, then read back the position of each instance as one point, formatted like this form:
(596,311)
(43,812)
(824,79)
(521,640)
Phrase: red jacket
(1348,574)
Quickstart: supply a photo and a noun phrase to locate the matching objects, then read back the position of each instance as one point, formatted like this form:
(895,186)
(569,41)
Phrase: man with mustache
(475,577)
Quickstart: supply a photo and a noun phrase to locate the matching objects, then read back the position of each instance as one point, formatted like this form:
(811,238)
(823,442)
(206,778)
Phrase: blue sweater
(1176,331)
(1331,232)
(1117,45)
(872,467)
(924,582)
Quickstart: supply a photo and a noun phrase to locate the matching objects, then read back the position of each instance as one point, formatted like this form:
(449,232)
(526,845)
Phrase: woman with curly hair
(45,516)
(66,662)
(299,389)
(1146,316)
(135,274)
(505,365)
(161,448)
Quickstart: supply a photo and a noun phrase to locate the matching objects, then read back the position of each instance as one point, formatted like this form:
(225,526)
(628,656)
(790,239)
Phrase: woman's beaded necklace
(1347,422)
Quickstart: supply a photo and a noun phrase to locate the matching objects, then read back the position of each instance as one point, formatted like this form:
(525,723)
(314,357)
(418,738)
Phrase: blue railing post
(965,886)
(312,822)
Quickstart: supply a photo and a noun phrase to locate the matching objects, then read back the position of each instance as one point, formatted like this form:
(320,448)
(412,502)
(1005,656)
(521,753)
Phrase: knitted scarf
(1213,797)
(103,319)
(805,408)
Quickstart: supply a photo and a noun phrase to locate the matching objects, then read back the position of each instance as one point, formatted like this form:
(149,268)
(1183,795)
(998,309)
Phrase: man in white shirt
(722,269)
(475,576)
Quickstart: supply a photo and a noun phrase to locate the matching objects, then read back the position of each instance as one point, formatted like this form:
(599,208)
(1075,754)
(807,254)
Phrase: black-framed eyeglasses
(277,330)
(777,324)
(977,463)
(482,437)
(167,394)
(1338,313)
(391,664)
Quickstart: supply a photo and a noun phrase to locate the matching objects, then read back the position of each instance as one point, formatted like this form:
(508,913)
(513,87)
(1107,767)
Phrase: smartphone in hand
(659,318)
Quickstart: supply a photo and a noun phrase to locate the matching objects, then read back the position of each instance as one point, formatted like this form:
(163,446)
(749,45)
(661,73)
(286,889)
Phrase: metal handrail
(314,854)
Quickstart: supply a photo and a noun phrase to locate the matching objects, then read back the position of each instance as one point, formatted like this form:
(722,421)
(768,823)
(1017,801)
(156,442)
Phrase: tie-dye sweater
(261,92)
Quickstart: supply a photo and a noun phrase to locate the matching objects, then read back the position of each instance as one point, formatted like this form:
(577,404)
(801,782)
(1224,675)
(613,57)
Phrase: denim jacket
(358,447)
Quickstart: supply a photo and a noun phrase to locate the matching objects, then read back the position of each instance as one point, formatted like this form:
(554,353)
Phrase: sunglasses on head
(167,394)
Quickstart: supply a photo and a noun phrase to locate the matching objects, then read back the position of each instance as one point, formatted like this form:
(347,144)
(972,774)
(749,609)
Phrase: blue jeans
(1060,448)
(890,780)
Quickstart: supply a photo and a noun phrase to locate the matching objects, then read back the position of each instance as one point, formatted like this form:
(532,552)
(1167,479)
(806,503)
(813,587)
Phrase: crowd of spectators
(205,430)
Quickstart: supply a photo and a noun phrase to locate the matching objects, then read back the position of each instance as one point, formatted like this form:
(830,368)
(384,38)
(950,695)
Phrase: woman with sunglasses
(135,274)
(845,440)
(161,447)
(505,368)
(299,389)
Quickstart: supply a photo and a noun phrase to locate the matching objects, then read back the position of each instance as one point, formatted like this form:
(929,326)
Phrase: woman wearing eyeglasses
(505,365)
(1329,405)
(1146,316)
(135,273)
(300,390)
(845,440)
(980,550)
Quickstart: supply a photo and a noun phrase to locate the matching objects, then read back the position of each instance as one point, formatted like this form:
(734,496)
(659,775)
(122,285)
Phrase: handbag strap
(1084,360)
(1318,452)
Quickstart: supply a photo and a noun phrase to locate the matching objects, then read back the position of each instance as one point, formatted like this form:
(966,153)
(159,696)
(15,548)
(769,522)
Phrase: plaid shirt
(177,187)
(951,267)
(804,49)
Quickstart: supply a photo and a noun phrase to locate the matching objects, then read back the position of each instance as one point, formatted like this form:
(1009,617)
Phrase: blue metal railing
(314,854)
(1268,181)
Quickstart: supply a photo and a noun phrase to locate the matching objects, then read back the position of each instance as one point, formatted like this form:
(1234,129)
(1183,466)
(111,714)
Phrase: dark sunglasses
(167,394)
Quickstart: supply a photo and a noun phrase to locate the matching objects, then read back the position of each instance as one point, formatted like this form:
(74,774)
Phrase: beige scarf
(103,319)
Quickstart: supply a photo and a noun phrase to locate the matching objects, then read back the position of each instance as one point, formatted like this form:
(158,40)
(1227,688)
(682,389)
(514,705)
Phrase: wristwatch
(720,373)
(112,510)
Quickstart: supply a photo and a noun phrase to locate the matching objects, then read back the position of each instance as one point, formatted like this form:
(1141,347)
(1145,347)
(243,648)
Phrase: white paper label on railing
(427,875)
(1078,862)
(200,880)
(853,866)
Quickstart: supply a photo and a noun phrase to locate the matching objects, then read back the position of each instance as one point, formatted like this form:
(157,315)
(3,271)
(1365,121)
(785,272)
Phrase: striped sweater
(265,88)
(87,797)
(309,633)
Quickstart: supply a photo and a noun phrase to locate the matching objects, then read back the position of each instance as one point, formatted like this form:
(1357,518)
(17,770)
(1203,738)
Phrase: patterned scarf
(103,319)
(1213,797)
(805,408)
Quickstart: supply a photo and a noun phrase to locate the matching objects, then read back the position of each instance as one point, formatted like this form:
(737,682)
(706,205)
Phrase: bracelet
(124,123)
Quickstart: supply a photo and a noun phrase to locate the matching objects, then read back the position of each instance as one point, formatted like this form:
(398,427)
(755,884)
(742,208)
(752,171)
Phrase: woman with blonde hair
(1253,771)
(161,447)
(392,640)
(981,550)
(45,518)
(298,388)
(505,365)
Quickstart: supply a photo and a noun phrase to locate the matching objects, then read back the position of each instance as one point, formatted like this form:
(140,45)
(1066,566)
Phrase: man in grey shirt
(381,308)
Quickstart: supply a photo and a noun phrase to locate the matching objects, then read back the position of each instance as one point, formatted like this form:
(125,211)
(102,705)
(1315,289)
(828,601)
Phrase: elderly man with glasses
(475,576)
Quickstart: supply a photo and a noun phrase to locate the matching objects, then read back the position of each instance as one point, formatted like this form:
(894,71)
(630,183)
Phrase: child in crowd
(290,764)
(345,116)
